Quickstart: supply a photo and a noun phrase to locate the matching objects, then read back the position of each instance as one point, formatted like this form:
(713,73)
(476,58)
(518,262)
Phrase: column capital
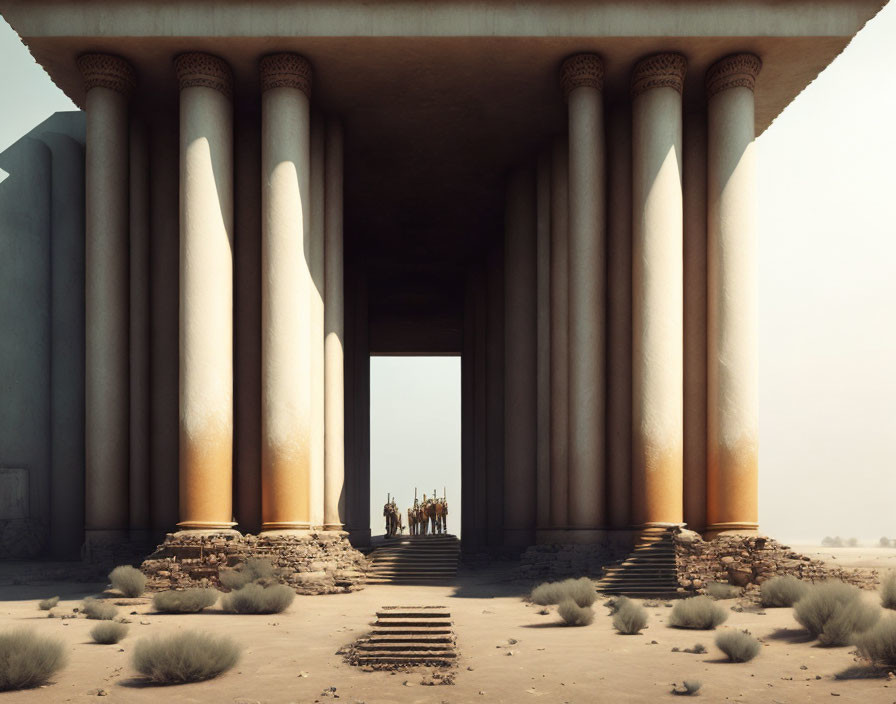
(582,70)
(734,71)
(664,70)
(285,71)
(204,70)
(107,71)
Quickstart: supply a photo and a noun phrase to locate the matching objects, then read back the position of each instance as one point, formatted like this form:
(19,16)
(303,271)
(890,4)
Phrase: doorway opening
(415,435)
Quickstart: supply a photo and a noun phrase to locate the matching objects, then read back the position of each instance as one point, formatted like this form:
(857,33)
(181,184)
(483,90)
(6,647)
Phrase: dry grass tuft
(108,632)
(128,580)
(188,601)
(256,599)
(579,590)
(834,612)
(47,604)
(888,592)
(28,660)
(739,646)
(878,644)
(698,612)
(255,570)
(782,591)
(98,609)
(185,657)
(575,615)
(629,618)
(720,590)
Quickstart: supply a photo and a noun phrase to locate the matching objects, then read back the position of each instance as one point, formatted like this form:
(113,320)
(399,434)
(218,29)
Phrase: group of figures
(427,517)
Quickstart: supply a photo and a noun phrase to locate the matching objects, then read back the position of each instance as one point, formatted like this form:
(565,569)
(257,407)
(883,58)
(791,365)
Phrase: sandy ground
(291,657)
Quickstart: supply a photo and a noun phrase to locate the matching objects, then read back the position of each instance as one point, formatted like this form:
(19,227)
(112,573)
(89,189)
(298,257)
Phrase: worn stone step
(404,655)
(403,647)
(416,638)
(413,613)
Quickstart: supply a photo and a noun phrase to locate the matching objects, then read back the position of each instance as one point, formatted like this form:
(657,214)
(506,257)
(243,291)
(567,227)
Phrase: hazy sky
(827,271)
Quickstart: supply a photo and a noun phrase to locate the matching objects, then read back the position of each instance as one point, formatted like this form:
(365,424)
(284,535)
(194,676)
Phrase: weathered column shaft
(733,386)
(520,398)
(108,80)
(559,284)
(139,330)
(334,331)
(285,292)
(543,337)
(318,265)
(206,292)
(582,77)
(657,290)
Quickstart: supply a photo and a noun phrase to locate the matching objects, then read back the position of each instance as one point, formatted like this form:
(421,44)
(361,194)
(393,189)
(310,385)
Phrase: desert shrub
(97,609)
(878,644)
(739,646)
(128,580)
(548,593)
(47,604)
(253,570)
(580,591)
(575,615)
(833,612)
(185,657)
(888,592)
(188,601)
(688,688)
(830,542)
(782,591)
(629,618)
(884,542)
(28,660)
(852,543)
(720,590)
(256,599)
(108,632)
(699,612)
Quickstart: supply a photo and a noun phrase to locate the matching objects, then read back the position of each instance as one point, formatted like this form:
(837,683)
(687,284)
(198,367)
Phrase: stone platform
(313,562)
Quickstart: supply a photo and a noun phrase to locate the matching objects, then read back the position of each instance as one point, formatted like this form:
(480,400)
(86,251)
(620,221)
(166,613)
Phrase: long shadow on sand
(791,635)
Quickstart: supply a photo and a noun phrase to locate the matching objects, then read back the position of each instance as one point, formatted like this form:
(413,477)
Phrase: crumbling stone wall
(312,563)
(747,561)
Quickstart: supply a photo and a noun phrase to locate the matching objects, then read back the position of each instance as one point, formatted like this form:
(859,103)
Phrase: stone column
(657,290)
(206,292)
(285,292)
(582,80)
(139,332)
(559,334)
(733,386)
(108,81)
(334,331)
(543,340)
(317,265)
(520,398)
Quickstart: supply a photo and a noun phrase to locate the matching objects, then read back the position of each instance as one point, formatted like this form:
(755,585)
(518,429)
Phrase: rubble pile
(321,562)
(747,561)
(541,562)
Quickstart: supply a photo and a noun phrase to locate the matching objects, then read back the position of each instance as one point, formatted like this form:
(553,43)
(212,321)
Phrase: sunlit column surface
(285,292)
(582,80)
(733,385)
(317,266)
(657,290)
(206,292)
(108,80)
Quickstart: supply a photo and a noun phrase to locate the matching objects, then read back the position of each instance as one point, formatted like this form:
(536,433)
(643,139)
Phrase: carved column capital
(285,71)
(665,70)
(107,71)
(582,70)
(204,70)
(734,71)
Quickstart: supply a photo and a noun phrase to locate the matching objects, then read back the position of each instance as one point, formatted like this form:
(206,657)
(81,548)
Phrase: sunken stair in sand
(649,571)
(408,635)
(417,559)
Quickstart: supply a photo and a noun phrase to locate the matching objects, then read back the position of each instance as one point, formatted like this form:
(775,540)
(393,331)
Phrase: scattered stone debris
(747,561)
(317,562)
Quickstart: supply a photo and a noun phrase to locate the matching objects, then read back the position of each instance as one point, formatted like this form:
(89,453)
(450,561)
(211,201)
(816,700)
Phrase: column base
(205,525)
(714,530)
(268,526)
(334,526)
(186,532)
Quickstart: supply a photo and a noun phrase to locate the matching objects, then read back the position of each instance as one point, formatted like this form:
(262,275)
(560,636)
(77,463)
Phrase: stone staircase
(415,560)
(649,571)
(408,635)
